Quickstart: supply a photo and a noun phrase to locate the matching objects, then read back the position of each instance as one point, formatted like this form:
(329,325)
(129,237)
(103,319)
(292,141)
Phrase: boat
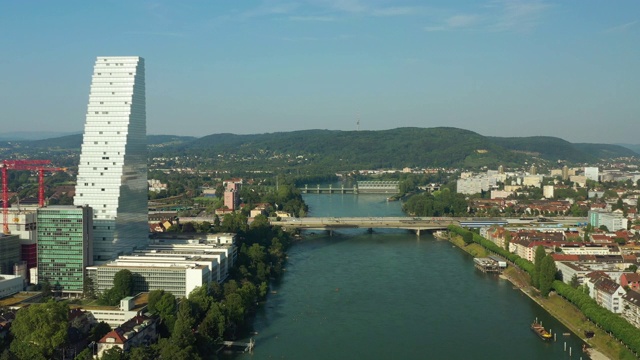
(540,330)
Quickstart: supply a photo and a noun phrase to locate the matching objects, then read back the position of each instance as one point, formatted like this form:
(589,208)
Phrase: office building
(9,253)
(613,221)
(64,246)
(112,174)
(10,284)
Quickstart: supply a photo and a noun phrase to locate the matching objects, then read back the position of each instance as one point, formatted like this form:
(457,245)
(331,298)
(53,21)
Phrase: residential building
(608,294)
(232,193)
(64,246)
(112,173)
(631,308)
(9,252)
(582,265)
(475,185)
(591,173)
(631,280)
(532,180)
(579,180)
(156,185)
(139,331)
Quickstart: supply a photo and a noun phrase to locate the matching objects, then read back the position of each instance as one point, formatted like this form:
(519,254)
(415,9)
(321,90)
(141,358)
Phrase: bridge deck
(332,223)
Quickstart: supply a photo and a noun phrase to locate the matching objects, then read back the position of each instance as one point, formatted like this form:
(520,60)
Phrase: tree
(153,298)
(468,237)
(200,301)
(507,239)
(115,353)
(547,275)
(537,263)
(46,289)
(88,289)
(98,331)
(164,305)
(182,335)
(143,353)
(123,283)
(169,350)
(213,325)
(85,354)
(574,281)
(40,329)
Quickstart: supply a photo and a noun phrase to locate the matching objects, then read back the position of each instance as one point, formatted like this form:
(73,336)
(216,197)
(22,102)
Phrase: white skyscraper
(112,174)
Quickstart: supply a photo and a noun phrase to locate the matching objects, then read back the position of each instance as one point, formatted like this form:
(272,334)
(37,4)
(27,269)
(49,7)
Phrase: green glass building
(65,236)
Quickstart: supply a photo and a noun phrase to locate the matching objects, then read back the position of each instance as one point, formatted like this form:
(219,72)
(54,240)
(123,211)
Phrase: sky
(569,69)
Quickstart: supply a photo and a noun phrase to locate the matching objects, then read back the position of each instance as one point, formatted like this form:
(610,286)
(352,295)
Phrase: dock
(244,346)
(486,265)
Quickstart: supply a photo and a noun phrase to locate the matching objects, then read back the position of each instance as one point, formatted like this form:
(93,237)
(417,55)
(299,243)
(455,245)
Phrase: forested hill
(552,148)
(346,150)
(397,148)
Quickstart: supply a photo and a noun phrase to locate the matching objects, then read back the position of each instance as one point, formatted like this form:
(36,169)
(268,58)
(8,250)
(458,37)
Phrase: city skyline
(499,68)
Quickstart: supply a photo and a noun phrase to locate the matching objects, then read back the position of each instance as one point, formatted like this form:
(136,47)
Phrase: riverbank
(602,346)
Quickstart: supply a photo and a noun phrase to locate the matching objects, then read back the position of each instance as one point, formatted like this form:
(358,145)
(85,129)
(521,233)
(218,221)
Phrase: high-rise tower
(112,174)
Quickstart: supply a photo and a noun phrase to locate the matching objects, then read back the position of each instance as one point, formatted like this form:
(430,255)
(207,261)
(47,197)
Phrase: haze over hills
(333,149)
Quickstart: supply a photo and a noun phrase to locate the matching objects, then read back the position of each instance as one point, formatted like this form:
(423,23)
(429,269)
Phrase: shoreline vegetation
(601,347)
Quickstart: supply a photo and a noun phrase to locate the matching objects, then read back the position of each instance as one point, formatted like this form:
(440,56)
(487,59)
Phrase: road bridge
(419,224)
(416,224)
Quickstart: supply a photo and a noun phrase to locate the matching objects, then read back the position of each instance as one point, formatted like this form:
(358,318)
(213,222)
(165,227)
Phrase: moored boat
(540,330)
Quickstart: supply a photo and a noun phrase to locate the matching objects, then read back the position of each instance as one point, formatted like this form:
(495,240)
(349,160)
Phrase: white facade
(10,284)
(614,221)
(532,180)
(591,173)
(23,224)
(112,174)
(547,191)
(474,185)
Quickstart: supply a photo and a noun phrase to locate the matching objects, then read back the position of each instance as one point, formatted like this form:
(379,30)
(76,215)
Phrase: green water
(393,295)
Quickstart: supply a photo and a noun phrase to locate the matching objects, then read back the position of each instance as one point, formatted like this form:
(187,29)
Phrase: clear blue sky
(502,68)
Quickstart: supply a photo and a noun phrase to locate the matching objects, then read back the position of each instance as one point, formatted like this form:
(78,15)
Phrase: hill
(346,150)
(634,147)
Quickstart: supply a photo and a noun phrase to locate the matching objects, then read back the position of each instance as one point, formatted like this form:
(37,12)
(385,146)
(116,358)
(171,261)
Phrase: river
(393,295)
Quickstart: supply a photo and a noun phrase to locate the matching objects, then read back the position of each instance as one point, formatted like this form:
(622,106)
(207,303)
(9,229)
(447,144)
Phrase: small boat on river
(540,331)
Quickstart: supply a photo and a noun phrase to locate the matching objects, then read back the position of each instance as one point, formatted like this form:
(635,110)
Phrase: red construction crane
(32,165)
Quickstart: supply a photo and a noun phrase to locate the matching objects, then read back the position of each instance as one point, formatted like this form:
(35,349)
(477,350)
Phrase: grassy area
(475,250)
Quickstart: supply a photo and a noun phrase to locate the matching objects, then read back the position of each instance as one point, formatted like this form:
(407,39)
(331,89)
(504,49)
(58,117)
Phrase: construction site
(18,246)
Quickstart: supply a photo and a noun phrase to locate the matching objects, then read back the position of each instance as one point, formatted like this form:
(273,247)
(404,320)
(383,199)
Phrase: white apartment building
(112,173)
(631,308)
(591,173)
